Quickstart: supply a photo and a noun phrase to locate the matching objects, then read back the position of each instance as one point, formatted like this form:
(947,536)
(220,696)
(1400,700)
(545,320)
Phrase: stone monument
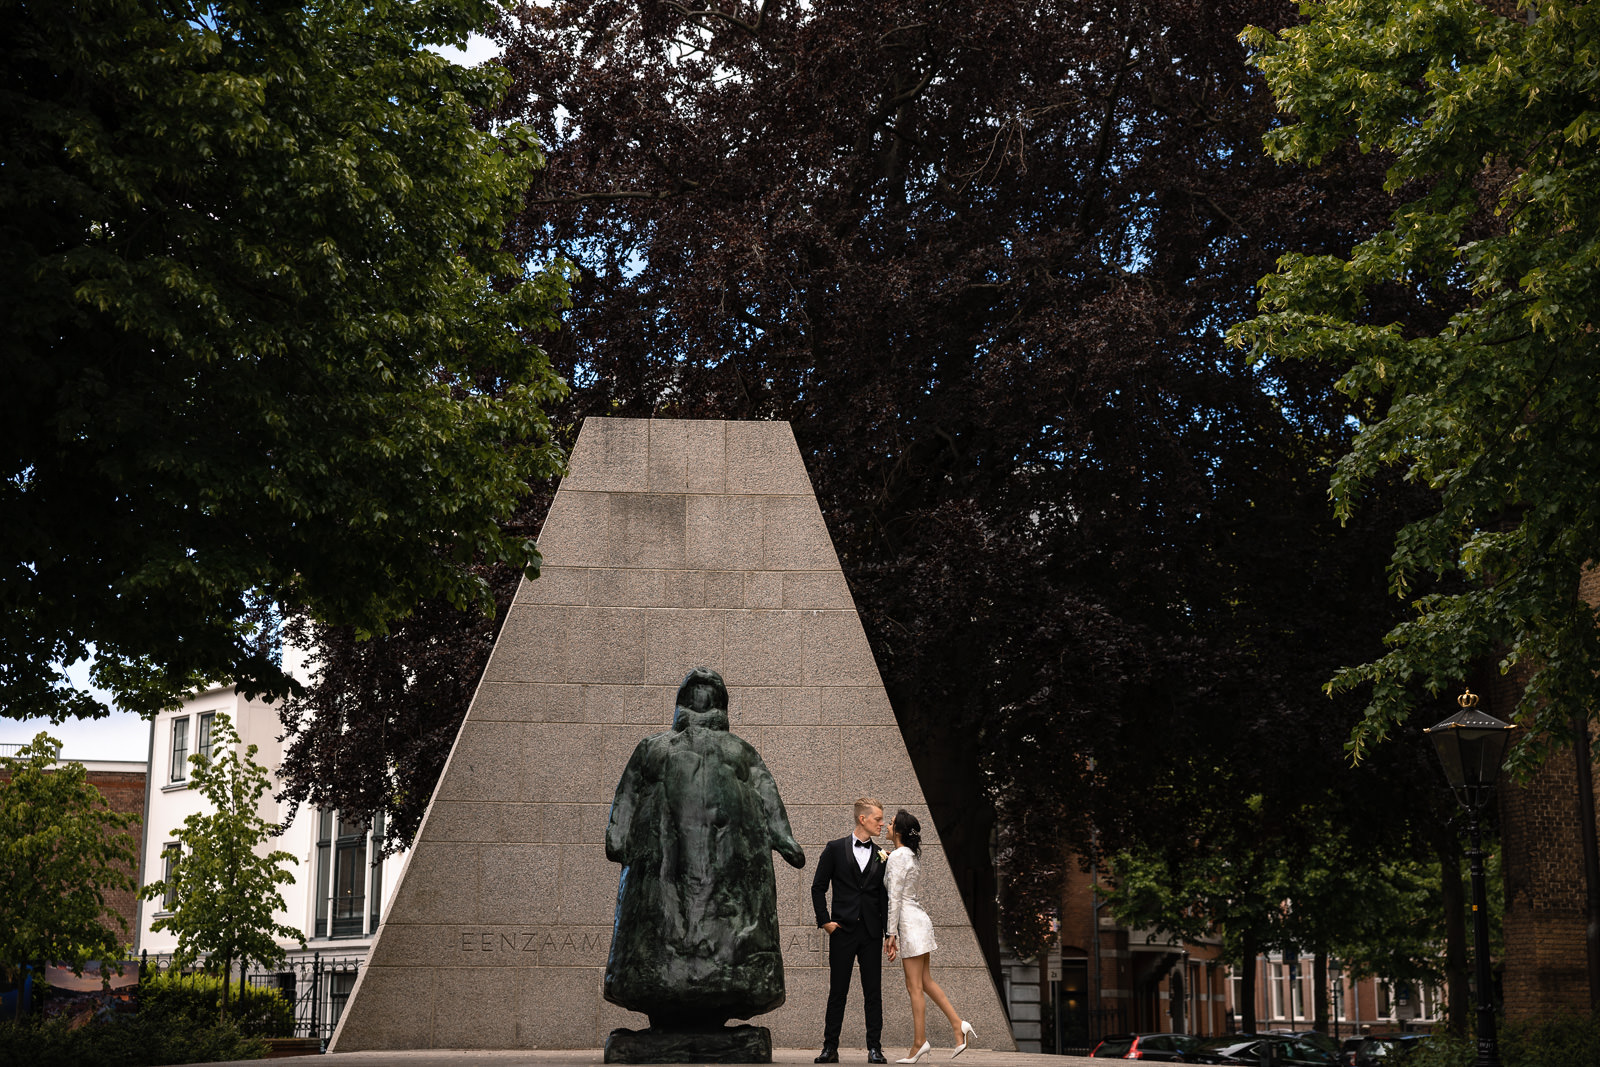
(695,942)
(669,544)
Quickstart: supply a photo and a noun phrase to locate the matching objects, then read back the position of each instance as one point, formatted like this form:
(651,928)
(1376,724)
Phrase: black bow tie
(863,844)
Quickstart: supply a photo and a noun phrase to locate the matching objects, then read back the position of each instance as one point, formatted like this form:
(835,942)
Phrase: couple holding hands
(875,901)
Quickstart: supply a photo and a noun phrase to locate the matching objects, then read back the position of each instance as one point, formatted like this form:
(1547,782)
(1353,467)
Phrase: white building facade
(342,883)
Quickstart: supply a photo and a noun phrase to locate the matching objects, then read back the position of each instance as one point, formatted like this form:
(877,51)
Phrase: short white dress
(907,920)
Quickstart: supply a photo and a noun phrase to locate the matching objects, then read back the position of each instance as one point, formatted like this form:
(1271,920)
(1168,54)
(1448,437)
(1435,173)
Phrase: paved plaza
(582,1058)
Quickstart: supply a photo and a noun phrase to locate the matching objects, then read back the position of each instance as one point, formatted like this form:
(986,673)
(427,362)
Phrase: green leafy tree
(985,272)
(1488,126)
(264,354)
(1308,878)
(224,885)
(62,849)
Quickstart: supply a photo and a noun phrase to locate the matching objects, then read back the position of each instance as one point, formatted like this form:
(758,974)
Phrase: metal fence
(316,986)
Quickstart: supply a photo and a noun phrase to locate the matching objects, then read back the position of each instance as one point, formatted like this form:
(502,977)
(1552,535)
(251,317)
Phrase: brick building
(122,783)
(1103,978)
(1285,1000)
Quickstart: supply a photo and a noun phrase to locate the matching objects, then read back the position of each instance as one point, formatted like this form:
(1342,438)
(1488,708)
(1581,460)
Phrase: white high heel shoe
(921,1052)
(967,1034)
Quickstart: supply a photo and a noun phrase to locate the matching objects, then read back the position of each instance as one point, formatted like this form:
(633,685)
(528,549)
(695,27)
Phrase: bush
(1567,1042)
(259,1013)
(144,1038)
(1443,1050)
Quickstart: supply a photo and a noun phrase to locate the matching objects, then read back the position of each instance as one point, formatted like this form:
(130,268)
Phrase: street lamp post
(1471,746)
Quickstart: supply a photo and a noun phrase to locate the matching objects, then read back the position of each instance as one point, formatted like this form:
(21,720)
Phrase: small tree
(62,849)
(224,888)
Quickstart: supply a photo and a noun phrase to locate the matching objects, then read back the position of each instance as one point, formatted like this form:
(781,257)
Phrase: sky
(124,735)
(478,49)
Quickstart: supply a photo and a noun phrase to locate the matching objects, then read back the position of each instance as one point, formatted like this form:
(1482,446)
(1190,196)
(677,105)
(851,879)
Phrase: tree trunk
(1591,854)
(1447,847)
(1319,991)
(227,975)
(1247,987)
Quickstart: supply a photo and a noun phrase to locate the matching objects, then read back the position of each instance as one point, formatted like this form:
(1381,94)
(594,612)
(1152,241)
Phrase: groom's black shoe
(829,1054)
(875,1055)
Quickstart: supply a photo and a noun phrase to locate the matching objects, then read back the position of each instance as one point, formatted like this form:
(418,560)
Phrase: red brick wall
(1122,967)
(124,791)
(1545,970)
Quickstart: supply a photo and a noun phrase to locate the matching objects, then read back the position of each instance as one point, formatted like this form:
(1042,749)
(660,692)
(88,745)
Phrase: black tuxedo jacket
(859,898)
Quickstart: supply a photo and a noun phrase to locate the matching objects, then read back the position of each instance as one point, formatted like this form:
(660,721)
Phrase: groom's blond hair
(866,804)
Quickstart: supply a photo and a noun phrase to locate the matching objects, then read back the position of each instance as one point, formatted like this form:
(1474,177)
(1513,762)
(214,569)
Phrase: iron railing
(316,986)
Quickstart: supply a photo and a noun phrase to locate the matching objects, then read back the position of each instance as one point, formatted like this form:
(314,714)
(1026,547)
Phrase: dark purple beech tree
(982,255)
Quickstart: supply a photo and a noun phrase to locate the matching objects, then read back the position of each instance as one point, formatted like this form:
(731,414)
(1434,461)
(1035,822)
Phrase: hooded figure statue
(694,824)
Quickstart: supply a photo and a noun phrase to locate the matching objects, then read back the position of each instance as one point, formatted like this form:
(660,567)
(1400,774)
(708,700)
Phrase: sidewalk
(587,1057)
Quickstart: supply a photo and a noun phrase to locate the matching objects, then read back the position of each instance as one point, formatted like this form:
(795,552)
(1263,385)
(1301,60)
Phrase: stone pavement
(583,1058)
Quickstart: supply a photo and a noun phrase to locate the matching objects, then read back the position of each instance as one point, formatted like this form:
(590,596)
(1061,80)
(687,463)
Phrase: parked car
(1159,1048)
(1384,1050)
(1347,1051)
(1311,1037)
(1286,1051)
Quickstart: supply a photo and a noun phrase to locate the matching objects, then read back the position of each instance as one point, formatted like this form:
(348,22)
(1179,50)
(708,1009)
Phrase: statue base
(731,1044)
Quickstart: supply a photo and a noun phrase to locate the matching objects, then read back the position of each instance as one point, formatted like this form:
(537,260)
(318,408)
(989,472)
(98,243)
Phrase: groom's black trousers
(847,947)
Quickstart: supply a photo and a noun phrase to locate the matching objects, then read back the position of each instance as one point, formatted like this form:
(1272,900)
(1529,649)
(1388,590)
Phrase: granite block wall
(670,545)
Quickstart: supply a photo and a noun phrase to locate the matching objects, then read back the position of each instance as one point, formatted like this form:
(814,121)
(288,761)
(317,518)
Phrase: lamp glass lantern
(1471,746)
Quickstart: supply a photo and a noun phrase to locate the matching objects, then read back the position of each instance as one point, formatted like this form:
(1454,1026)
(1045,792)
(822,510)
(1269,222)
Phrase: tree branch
(915,91)
(752,28)
(682,187)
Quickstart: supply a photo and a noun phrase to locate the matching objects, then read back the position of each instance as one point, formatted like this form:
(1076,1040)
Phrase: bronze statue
(695,941)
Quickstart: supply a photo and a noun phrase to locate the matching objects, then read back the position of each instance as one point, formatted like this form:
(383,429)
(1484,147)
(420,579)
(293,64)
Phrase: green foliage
(151,1035)
(255,1011)
(62,849)
(1488,125)
(1568,1042)
(263,352)
(1316,890)
(226,890)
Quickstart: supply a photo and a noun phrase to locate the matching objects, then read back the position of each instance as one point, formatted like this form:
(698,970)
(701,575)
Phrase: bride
(910,934)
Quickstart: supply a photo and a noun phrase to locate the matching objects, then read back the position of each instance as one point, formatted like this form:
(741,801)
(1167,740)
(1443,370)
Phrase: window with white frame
(340,985)
(1288,990)
(170,852)
(349,885)
(180,749)
(1410,1000)
(202,735)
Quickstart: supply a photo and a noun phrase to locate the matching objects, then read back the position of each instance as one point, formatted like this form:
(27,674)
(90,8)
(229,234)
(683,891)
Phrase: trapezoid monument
(669,545)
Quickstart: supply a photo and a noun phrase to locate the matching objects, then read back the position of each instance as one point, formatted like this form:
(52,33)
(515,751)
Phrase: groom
(853,868)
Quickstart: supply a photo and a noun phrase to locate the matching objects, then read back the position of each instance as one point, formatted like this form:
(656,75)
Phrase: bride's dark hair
(909,830)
